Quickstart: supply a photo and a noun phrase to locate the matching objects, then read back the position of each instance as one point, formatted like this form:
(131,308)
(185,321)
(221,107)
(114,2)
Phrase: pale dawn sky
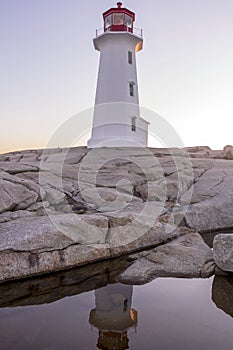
(48,66)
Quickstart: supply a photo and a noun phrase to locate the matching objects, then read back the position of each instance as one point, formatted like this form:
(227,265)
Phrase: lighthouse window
(130,57)
(118,19)
(133,124)
(128,21)
(108,21)
(131,88)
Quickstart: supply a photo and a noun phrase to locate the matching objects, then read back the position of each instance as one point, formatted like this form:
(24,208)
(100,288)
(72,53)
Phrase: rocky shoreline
(65,208)
(58,285)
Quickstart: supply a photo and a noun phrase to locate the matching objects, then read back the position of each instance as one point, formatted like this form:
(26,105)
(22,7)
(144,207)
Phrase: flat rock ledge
(34,246)
(65,208)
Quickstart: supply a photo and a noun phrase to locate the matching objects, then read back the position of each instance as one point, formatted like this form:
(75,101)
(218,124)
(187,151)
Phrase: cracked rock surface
(185,256)
(63,208)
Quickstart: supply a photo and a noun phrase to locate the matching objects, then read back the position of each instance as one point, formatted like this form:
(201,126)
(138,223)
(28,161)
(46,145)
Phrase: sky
(48,66)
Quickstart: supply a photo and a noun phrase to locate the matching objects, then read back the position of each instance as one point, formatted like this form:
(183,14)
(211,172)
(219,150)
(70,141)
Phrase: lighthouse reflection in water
(113,316)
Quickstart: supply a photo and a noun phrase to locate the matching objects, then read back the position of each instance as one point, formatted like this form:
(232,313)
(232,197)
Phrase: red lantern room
(119,19)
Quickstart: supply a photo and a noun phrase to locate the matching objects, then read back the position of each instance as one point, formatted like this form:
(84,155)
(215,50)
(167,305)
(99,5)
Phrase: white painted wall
(114,106)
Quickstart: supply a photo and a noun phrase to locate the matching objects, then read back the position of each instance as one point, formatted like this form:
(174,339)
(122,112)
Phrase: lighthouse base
(117,142)
(118,125)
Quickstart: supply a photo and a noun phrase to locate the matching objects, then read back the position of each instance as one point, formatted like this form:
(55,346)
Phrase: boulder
(223,251)
(228,152)
(14,196)
(211,199)
(210,215)
(185,256)
(140,272)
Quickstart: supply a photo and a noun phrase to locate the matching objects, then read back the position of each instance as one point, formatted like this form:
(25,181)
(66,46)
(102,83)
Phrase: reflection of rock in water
(113,316)
(47,289)
(222,294)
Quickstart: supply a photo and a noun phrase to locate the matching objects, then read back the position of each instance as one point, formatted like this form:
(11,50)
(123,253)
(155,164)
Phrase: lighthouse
(116,118)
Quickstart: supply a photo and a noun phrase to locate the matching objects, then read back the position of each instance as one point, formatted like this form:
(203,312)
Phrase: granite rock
(185,256)
(223,251)
(62,208)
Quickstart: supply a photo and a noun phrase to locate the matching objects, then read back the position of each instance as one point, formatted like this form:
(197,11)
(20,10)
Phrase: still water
(166,313)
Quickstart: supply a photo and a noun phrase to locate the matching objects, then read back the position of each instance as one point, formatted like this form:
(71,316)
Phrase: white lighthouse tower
(116,120)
